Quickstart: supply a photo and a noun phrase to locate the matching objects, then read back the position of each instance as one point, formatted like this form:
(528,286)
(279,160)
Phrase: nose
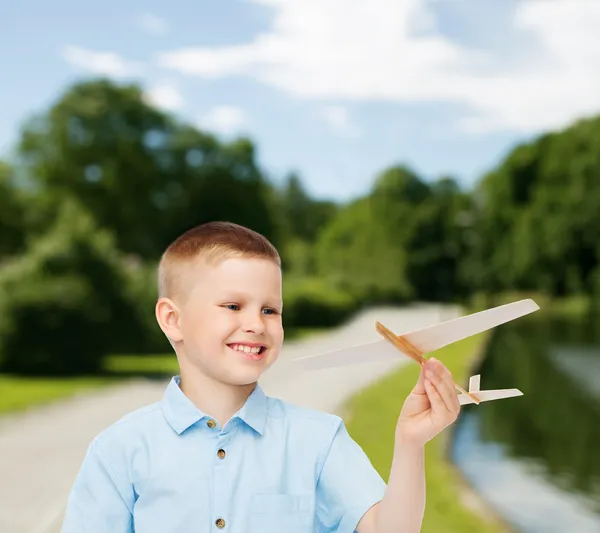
(253,323)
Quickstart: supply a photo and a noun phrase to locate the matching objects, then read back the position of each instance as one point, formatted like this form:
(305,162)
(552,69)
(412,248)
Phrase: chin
(240,378)
(247,372)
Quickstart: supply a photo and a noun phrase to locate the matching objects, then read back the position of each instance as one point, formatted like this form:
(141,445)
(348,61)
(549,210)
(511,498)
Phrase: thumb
(420,386)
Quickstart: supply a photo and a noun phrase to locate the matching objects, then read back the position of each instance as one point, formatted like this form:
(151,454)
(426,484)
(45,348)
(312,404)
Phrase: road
(41,450)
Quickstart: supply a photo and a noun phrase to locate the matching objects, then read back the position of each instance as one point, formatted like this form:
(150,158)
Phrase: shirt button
(211,423)
(220,523)
(221,454)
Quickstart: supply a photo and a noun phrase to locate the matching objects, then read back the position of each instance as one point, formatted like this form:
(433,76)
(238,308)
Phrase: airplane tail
(486,395)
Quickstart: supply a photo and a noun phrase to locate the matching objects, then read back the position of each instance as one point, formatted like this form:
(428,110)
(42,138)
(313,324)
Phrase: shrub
(65,303)
(313,302)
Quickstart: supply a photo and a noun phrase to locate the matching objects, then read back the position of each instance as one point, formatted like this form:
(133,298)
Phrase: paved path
(41,451)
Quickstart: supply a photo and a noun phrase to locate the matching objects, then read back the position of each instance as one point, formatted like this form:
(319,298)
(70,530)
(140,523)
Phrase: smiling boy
(215,453)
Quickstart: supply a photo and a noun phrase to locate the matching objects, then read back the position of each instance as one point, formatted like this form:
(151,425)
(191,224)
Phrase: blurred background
(399,153)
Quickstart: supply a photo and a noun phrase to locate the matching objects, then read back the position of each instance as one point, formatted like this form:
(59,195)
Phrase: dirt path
(41,450)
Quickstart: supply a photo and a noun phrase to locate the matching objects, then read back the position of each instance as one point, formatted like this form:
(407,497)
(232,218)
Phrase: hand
(430,407)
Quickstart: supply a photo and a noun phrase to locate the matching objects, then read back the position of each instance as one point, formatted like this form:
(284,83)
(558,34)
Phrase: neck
(217,399)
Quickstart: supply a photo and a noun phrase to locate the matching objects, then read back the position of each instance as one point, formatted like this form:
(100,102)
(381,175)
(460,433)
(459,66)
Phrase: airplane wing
(489,395)
(439,335)
(371,352)
(424,340)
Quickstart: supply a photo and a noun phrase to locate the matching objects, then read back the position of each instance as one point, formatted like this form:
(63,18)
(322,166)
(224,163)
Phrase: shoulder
(131,429)
(298,415)
(314,430)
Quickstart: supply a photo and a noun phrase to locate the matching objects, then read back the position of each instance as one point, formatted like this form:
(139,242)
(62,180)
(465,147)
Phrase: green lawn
(371,422)
(20,392)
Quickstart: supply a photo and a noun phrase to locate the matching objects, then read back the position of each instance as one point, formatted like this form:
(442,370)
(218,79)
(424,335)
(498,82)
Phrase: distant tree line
(102,182)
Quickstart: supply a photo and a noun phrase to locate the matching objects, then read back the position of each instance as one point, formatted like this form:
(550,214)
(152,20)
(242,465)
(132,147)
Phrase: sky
(334,90)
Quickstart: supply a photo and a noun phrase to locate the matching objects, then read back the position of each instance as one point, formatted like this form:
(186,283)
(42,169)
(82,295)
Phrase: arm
(402,508)
(431,406)
(101,500)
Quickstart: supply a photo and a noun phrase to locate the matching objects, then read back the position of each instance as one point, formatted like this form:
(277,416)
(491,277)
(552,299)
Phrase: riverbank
(452,507)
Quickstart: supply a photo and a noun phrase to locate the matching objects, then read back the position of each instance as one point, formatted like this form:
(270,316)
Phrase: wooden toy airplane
(419,342)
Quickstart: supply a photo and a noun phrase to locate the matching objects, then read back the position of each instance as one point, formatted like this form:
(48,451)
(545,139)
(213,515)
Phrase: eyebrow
(235,295)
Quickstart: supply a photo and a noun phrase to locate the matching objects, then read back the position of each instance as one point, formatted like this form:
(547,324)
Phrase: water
(536,458)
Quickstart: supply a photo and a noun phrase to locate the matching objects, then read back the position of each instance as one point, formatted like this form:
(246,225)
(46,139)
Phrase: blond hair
(211,242)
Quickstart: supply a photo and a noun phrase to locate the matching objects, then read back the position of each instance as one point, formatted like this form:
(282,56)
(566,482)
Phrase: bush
(313,302)
(144,293)
(66,302)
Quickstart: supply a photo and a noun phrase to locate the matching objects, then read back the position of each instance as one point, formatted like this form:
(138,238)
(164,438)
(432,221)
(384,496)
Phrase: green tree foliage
(12,214)
(312,302)
(362,250)
(304,216)
(302,219)
(437,243)
(142,175)
(532,223)
(66,302)
(538,216)
(402,241)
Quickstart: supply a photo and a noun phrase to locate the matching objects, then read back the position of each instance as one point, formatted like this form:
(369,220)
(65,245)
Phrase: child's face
(237,301)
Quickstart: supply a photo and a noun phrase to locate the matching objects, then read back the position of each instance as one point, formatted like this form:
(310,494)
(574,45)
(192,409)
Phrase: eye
(272,311)
(229,306)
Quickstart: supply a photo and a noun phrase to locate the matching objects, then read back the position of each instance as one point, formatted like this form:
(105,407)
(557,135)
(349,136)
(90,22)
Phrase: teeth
(247,349)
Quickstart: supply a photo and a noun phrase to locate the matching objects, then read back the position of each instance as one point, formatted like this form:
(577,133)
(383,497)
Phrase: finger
(440,412)
(453,401)
(452,397)
(441,377)
(419,388)
(435,399)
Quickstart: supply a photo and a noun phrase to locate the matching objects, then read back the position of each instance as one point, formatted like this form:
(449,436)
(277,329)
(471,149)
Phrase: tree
(538,215)
(364,248)
(437,242)
(141,174)
(303,218)
(12,214)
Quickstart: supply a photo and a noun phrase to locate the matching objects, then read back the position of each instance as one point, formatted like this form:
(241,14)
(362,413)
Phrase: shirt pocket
(292,513)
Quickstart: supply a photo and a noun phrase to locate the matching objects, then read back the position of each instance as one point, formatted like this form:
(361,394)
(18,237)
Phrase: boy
(216,453)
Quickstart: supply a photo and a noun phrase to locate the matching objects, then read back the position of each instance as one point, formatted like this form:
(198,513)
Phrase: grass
(18,393)
(22,392)
(372,420)
(142,365)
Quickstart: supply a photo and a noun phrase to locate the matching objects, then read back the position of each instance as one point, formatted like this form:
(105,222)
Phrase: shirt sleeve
(101,500)
(347,486)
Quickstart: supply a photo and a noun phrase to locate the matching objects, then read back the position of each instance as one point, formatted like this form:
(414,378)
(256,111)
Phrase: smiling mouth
(251,354)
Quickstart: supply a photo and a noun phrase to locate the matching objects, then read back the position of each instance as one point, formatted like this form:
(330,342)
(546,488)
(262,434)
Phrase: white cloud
(225,120)
(152,24)
(338,118)
(165,95)
(387,50)
(101,63)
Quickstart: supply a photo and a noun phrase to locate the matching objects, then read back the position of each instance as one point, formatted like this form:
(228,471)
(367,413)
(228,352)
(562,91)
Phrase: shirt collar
(181,413)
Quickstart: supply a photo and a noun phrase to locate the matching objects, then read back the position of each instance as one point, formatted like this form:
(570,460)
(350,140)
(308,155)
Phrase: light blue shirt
(274,468)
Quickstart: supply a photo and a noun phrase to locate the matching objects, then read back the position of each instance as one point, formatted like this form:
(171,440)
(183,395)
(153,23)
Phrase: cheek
(204,327)
(276,332)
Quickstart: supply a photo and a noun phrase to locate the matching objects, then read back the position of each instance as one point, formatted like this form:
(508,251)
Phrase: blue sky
(336,90)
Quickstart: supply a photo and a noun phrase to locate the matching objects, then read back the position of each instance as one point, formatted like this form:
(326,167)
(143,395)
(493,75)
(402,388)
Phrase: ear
(167,316)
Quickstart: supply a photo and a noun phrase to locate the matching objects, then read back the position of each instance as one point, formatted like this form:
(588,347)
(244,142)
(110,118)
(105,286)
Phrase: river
(536,458)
